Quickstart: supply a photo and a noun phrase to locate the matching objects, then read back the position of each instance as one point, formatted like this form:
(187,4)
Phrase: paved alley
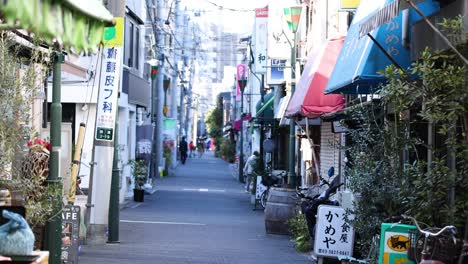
(201,215)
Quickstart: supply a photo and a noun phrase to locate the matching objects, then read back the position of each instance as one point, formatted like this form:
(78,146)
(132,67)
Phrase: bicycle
(274,178)
(435,249)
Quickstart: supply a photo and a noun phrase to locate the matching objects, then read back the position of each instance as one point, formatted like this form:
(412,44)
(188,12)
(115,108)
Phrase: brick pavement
(200,215)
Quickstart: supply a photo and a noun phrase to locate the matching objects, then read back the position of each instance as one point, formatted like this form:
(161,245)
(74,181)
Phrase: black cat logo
(398,243)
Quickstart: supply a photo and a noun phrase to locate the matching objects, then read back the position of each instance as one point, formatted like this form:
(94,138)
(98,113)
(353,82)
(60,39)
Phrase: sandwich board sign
(334,235)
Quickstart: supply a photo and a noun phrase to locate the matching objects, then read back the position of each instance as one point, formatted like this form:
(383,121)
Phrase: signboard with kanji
(334,235)
(260,51)
(107,105)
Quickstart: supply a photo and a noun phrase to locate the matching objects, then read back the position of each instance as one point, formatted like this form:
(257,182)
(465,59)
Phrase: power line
(229,9)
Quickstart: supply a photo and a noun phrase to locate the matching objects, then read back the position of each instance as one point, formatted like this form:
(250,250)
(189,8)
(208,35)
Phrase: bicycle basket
(440,248)
(268,181)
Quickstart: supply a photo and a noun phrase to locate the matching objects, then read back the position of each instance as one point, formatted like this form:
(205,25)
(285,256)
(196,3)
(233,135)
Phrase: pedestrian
(208,144)
(200,146)
(249,169)
(183,150)
(191,149)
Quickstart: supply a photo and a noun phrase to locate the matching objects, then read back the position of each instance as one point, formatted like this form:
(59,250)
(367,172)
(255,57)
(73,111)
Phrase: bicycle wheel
(264,198)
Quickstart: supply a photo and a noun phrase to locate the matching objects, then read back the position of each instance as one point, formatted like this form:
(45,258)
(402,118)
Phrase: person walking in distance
(249,169)
(183,150)
(191,149)
(200,146)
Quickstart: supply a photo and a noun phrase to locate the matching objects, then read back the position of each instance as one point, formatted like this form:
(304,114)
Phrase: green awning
(266,110)
(77,25)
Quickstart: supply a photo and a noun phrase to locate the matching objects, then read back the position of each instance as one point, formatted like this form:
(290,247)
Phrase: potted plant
(139,171)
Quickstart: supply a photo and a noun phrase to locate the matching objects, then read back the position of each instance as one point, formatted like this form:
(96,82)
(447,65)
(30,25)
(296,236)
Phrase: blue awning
(360,60)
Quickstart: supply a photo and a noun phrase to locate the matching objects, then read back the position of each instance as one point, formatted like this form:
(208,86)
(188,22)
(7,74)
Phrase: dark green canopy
(266,110)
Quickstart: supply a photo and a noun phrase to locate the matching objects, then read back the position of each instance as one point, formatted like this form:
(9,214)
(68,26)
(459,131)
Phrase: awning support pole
(384,51)
(437,31)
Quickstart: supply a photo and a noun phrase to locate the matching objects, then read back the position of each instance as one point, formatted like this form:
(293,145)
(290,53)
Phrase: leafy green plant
(139,172)
(214,123)
(19,73)
(228,150)
(388,168)
(299,232)
(167,158)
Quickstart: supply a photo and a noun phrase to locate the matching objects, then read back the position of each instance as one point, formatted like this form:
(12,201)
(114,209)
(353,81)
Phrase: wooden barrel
(279,209)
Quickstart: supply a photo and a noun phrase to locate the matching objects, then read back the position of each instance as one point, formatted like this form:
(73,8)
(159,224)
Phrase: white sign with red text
(261,40)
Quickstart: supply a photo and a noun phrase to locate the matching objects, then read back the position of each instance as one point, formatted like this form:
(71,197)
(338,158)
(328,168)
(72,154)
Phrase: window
(136,48)
(132,43)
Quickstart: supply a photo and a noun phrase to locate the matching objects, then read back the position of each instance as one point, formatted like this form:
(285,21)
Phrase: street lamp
(242,83)
(293,15)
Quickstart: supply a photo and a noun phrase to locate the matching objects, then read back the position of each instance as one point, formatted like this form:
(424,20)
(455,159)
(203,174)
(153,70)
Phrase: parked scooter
(309,205)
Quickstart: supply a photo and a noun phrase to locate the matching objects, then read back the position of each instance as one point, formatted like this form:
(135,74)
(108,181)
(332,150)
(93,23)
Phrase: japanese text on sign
(261,21)
(108,94)
(107,105)
(334,235)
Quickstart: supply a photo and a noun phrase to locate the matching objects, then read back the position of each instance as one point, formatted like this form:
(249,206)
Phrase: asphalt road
(200,215)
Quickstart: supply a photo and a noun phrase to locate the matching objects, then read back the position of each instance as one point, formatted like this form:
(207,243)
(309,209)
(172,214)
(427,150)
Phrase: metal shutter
(329,152)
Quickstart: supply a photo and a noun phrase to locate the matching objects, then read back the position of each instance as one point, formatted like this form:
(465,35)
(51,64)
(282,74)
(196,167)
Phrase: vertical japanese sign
(241,74)
(334,236)
(261,37)
(107,105)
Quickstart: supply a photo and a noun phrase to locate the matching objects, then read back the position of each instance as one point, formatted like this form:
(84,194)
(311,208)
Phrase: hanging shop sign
(334,236)
(261,37)
(349,4)
(107,106)
(275,74)
(241,75)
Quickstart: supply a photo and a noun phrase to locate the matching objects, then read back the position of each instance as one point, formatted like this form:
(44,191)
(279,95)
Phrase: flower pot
(138,195)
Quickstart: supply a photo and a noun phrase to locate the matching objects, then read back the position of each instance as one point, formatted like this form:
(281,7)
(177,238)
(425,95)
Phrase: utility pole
(262,120)
(160,85)
(118,10)
(157,87)
(184,57)
(175,73)
(188,118)
(292,128)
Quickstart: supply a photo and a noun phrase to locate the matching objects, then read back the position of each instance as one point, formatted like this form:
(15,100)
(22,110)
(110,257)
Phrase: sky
(238,16)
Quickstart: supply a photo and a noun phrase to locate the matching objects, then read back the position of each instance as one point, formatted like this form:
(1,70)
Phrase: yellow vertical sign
(114,36)
(349,4)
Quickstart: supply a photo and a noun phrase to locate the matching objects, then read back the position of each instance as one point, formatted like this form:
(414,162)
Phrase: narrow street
(200,215)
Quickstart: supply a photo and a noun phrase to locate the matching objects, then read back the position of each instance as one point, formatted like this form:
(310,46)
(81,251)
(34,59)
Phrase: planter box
(138,195)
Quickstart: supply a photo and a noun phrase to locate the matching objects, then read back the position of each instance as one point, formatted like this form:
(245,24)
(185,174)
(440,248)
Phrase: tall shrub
(385,170)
